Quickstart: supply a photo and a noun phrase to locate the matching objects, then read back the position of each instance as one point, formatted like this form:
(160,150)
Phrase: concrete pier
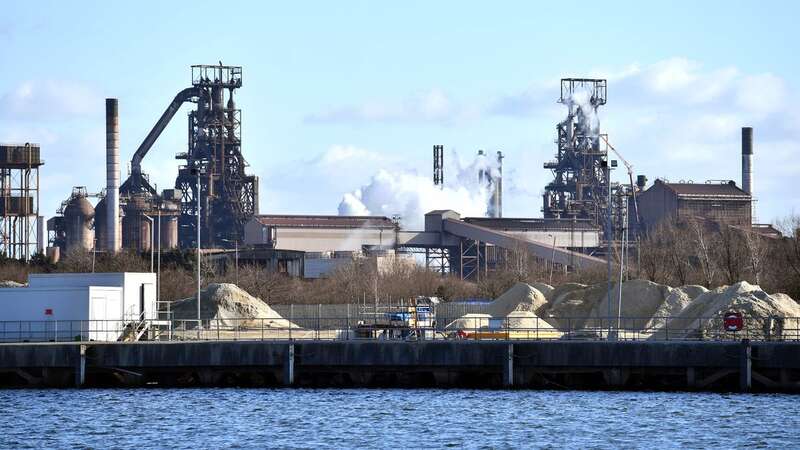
(723,366)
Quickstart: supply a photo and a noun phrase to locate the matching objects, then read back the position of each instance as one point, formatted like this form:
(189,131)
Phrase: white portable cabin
(67,306)
(61,313)
(138,288)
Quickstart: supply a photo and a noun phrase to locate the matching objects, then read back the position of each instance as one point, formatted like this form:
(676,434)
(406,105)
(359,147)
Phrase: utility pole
(608,246)
(198,249)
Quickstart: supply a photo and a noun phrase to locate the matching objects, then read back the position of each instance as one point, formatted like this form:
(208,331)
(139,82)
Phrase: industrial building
(721,201)
(717,200)
(320,233)
(467,248)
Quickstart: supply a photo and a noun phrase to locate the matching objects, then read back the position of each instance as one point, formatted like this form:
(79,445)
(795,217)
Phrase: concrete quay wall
(729,366)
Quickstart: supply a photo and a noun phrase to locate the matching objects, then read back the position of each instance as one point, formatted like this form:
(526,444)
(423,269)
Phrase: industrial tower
(580,171)
(20,224)
(228,196)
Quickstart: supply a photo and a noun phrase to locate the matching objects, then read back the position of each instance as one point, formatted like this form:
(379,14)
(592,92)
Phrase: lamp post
(152,239)
(552,258)
(197,172)
(623,247)
(158,262)
(609,237)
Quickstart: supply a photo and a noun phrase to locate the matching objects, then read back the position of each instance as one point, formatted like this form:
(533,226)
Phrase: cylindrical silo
(169,232)
(101,225)
(135,226)
(78,216)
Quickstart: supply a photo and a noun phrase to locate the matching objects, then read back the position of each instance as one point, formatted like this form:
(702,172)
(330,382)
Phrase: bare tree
(731,253)
(756,252)
(703,250)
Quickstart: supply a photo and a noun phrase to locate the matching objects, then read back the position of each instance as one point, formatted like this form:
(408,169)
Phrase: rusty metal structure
(580,170)
(227,195)
(20,224)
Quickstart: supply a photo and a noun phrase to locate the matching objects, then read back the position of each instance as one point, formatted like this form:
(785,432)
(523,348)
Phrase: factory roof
(303,221)
(728,189)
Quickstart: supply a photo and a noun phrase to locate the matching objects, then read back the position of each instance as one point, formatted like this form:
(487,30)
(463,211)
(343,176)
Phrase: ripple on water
(246,418)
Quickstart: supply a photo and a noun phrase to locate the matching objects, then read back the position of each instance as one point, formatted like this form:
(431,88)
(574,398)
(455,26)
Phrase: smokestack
(438,166)
(112,175)
(498,187)
(747,160)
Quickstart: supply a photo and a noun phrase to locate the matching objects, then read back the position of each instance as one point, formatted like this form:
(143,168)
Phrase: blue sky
(336,91)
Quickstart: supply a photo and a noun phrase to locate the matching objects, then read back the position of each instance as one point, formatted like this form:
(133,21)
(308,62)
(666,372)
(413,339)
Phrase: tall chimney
(112,175)
(498,187)
(747,160)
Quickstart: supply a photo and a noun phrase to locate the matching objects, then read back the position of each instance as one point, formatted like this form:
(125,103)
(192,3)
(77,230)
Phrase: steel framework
(20,228)
(229,197)
(580,185)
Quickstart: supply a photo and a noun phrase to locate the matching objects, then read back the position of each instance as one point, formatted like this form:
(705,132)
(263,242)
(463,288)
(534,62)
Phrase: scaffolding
(20,224)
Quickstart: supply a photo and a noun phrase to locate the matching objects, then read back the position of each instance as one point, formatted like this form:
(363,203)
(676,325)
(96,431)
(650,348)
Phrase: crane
(629,167)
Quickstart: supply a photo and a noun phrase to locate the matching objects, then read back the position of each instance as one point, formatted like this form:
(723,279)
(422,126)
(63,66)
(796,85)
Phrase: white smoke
(580,104)
(410,195)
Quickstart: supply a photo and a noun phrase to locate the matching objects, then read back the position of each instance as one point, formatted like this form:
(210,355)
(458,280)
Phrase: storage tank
(169,232)
(78,217)
(135,226)
(101,225)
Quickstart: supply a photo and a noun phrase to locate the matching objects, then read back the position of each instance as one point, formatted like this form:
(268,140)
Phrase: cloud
(49,99)
(315,184)
(432,106)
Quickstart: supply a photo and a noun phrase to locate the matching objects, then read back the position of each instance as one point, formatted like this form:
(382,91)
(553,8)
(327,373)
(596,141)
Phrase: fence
(346,322)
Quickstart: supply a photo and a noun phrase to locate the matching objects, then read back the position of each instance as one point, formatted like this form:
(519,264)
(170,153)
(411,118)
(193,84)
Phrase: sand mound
(565,288)
(764,315)
(673,304)
(573,303)
(544,288)
(11,284)
(471,321)
(640,301)
(226,305)
(526,320)
(521,297)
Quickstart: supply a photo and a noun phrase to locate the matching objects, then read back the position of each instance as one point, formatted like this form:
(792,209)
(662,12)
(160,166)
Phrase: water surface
(377,418)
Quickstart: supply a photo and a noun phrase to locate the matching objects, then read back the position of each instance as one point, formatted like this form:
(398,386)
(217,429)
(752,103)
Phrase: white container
(61,313)
(139,288)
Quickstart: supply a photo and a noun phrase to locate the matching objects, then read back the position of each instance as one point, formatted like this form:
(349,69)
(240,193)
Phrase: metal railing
(361,324)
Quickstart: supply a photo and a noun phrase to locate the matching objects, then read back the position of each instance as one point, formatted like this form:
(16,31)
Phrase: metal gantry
(20,227)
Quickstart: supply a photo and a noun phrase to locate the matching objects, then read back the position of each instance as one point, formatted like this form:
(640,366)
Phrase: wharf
(671,365)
